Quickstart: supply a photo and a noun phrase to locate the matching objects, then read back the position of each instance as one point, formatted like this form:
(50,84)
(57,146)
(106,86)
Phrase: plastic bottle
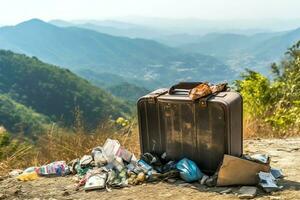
(59,168)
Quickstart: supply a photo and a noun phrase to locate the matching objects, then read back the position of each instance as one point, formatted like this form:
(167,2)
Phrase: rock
(193,186)
(286,150)
(227,191)
(14,191)
(2,196)
(171,180)
(274,198)
(247,192)
(203,179)
(180,181)
(65,193)
(184,184)
(211,181)
(76,179)
(296,149)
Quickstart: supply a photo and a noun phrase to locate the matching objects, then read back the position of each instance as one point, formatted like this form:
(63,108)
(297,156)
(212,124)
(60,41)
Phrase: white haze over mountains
(14,11)
(238,34)
(197,26)
(204,14)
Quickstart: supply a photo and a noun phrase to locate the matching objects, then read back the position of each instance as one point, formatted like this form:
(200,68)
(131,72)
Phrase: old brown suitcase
(202,130)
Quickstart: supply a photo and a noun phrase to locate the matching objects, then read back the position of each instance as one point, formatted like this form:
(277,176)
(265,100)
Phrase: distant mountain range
(89,49)
(241,48)
(34,94)
(240,51)
(114,28)
(78,49)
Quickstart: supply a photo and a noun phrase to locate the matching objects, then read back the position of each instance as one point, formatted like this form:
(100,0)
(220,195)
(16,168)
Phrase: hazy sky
(15,11)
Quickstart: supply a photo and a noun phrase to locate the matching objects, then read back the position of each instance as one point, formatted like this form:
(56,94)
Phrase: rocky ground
(285,154)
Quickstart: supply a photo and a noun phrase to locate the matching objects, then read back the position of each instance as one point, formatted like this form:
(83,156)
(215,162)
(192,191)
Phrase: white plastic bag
(110,149)
(96,181)
(99,157)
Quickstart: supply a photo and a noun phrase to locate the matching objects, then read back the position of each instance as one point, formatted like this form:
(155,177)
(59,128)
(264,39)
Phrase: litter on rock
(85,160)
(239,171)
(189,171)
(268,182)
(15,172)
(277,173)
(95,181)
(262,158)
(98,156)
(204,179)
(28,176)
(59,168)
(112,166)
(204,89)
(110,148)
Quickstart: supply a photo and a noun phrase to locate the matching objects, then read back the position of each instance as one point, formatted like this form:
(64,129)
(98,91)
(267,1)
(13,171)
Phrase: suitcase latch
(203,102)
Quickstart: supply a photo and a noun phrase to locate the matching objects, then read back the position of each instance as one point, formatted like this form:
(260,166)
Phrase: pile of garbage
(112,166)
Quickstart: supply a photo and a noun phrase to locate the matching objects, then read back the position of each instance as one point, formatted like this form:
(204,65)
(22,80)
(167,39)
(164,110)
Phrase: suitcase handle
(183,87)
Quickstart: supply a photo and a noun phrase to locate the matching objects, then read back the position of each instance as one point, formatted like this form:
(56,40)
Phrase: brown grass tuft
(257,128)
(60,144)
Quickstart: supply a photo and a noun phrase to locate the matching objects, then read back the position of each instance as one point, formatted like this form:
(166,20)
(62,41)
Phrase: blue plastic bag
(189,171)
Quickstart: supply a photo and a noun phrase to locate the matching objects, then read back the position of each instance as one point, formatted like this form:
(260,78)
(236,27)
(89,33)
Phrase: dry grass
(257,128)
(60,144)
(24,156)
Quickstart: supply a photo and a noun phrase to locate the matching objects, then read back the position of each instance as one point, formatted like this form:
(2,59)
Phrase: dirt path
(285,154)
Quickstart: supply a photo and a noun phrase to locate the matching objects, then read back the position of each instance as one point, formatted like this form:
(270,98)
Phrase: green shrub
(275,102)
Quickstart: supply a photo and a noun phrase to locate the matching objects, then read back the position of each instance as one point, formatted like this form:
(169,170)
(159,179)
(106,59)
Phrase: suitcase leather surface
(202,130)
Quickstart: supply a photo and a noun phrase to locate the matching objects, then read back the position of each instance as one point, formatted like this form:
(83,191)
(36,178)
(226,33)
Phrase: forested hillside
(54,92)
(128,91)
(18,118)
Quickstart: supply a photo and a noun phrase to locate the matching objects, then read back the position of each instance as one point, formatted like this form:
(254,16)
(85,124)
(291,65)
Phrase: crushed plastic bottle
(59,168)
(29,169)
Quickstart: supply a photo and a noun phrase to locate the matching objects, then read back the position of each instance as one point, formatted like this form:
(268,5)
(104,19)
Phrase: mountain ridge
(76,48)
